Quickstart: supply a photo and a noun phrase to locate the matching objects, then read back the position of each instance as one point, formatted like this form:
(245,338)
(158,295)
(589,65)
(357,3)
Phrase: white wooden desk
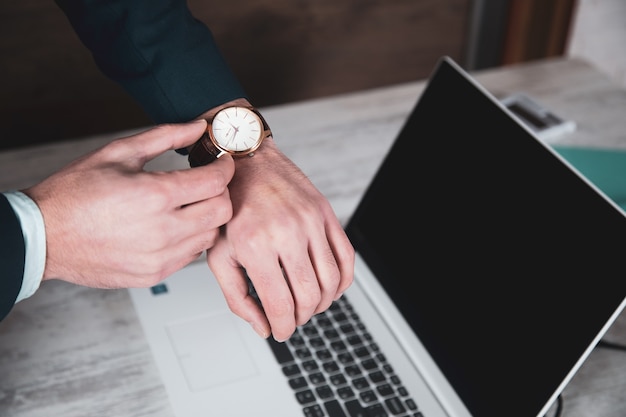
(73,352)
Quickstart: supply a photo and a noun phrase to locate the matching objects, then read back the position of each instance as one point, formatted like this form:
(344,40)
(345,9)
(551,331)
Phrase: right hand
(111,224)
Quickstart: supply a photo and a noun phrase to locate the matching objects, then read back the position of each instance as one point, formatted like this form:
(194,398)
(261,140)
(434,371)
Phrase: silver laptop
(487,270)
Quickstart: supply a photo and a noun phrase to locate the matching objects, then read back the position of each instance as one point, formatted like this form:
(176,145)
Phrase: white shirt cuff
(34,232)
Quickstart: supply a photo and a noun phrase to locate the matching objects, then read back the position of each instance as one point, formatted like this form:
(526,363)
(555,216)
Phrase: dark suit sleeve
(165,58)
(12,257)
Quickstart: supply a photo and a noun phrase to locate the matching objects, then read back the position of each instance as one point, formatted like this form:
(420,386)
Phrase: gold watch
(236,130)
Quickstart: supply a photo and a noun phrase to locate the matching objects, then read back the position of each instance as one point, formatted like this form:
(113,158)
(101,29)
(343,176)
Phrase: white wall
(599,35)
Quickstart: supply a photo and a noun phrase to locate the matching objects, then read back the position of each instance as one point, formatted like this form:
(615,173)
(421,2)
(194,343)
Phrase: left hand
(109,223)
(286,236)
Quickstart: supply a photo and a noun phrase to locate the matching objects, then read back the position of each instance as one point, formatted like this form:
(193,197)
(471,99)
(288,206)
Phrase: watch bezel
(248,151)
(207,149)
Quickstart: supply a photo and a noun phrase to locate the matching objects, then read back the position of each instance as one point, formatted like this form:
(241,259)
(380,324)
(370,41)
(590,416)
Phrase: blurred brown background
(281,50)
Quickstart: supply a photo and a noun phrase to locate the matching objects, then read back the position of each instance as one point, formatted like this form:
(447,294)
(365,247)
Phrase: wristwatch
(236,130)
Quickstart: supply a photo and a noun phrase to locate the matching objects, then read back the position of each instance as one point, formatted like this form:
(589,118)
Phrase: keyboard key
(296,342)
(338,379)
(324,354)
(310,366)
(345,393)
(376,410)
(338,346)
(362,352)
(324,322)
(355,409)
(333,408)
(317,378)
(336,306)
(281,351)
(347,328)
(369,364)
(303,353)
(361,384)
(291,369)
(324,392)
(331,334)
(341,317)
(305,397)
(317,342)
(368,396)
(355,340)
(313,411)
(377,377)
(331,367)
(345,358)
(411,404)
(353,370)
(309,330)
(298,382)
(385,390)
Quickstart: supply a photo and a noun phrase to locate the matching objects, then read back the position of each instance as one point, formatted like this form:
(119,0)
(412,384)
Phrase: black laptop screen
(505,262)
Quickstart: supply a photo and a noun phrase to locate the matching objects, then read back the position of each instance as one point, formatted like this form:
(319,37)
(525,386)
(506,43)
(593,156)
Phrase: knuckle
(207,240)
(280,307)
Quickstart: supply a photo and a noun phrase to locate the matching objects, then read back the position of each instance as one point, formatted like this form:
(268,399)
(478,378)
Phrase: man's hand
(286,236)
(111,224)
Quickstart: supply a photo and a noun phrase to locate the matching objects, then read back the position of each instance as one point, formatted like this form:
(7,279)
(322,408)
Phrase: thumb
(148,145)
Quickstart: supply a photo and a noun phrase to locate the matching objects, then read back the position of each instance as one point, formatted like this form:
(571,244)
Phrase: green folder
(605,168)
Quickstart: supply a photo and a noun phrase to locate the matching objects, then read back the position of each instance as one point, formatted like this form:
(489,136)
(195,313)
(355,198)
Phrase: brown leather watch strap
(203,152)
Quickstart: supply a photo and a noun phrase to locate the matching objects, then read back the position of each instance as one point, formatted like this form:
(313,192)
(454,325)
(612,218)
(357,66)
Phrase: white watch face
(237,130)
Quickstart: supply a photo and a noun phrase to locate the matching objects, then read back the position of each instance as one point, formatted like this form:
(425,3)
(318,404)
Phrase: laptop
(487,270)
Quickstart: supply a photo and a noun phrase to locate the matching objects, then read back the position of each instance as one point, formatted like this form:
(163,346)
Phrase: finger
(343,253)
(186,252)
(234,284)
(305,284)
(151,143)
(205,215)
(196,227)
(191,185)
(277,300)
(149,269)
(177,262)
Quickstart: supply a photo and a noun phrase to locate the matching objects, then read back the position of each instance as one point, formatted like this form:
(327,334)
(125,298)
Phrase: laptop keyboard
(336,369)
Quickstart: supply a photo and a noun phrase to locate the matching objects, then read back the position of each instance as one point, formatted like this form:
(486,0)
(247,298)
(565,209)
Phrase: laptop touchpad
(203,355)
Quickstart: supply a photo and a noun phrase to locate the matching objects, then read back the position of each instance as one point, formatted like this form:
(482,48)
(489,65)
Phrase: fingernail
(259,330)
(198,121)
